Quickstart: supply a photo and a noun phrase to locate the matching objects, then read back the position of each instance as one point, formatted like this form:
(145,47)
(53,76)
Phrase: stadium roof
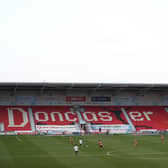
(81,86)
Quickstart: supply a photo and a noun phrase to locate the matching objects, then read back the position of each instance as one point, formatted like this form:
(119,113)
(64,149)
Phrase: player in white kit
(80,142)
(76,149)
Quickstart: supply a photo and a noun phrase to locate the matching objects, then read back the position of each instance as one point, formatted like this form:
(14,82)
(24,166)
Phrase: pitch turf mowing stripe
(43,151)
(108,154)
(27,148)
(53,145)
(41,162)
(144,146)
(118,143)
(83,160)
(7,161)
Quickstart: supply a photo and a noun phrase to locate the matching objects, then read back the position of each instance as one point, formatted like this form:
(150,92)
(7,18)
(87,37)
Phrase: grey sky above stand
(93,41)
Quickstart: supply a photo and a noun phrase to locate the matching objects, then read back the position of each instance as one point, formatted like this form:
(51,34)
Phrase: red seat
(103,115)
(148,117)
(15,118)
(54,115)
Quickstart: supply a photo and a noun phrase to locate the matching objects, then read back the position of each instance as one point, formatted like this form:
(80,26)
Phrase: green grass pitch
(29,151)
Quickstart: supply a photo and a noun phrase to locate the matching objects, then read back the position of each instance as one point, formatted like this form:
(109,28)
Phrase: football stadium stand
(83,108)
(59,119)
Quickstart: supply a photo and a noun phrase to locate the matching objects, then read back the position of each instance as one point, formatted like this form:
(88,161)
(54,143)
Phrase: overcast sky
(104,41)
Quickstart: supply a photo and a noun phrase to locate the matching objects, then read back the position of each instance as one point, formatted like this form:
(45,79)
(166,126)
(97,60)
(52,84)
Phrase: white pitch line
(156,153)
(18,139)
(159,153)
